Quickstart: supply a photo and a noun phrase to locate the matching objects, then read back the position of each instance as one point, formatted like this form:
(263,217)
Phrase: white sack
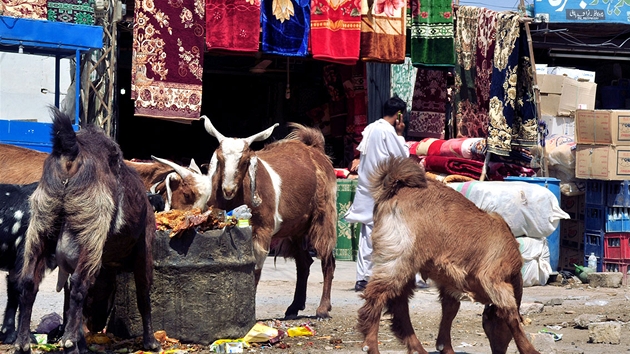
(536,267)
(529,209)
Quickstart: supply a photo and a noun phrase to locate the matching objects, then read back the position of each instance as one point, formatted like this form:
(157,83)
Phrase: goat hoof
(68,344)
(23,349)
(9,338)
(151,345)
(366,348)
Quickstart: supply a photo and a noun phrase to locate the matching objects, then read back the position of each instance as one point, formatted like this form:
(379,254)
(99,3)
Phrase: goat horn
(211,129)
(262,135)
(182,171)
(193,166)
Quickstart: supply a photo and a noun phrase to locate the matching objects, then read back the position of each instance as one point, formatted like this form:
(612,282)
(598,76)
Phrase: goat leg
(32,275)
(450,307)
(303,261)
(512,318)
(496,330)
(328,269)
(370,315)
(73,339)
(401,322)
(143,276)
(7,333)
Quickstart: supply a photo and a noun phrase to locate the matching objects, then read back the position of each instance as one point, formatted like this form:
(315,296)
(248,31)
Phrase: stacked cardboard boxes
(603,138)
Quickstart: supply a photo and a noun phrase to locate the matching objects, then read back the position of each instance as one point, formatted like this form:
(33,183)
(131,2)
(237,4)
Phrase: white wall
(22,77)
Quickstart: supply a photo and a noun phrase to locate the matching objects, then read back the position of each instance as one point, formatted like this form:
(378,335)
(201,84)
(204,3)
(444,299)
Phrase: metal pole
(57,61)
(77,87)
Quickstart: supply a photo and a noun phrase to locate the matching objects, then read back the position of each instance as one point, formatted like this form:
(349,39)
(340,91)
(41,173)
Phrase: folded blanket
(233,25)
(429,147)
(452,147)
(383,31)
(285,26)
(467,146)
(497,171)
(336,30)
(454,165)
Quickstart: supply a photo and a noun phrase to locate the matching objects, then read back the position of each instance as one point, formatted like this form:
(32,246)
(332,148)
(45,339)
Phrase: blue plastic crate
(594,242)
(595,218)
(595,192)
(618,193)
(599,262)
(617,219)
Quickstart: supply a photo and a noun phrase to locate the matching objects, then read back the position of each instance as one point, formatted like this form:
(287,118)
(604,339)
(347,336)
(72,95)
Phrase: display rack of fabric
(233,25)
(336,30)
(512,109)
(403,81)
(471,120)
(285,26)
(72,11)
(432,32)
(428,111)
(167,61)
(383,31)
(35,9)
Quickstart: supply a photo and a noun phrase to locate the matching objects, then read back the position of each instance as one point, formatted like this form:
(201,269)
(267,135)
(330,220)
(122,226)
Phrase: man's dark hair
(393,106)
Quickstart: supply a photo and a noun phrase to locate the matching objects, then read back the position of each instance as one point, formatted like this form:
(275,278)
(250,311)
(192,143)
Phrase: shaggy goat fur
(423,226)
(290,185)
(91,215)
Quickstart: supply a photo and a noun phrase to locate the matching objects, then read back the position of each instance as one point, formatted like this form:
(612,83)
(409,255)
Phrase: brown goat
(181,188)
(90,216)
(425,226)
(290,186)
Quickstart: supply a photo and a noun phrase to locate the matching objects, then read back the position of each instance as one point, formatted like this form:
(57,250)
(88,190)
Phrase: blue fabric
(289,38)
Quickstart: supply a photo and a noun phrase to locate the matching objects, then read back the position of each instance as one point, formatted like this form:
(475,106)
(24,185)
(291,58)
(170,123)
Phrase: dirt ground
(339,335)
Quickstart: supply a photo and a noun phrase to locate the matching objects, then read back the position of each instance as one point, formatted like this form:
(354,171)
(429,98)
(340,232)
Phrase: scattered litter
(46,347)
(527,321)
(596,303)
(300,331)
(48,322)
(556,336)
(261,333)
(230,347)
(98,338)
(555,328)
(464,345)
(41,338)
(228,344)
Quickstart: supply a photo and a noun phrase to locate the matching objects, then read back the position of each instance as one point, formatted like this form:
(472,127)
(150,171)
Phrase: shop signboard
(583,11)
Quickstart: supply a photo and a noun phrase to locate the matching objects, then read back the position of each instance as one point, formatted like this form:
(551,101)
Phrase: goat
(14,217)
(414,231)
(20,165)
(290,185)
(176,184)
(90,214)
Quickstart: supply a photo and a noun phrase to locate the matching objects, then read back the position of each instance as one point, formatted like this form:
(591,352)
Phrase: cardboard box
(602,127)
(602,162)
(569,257)
(572,234)
(561,95)
(559,125)
(575,74)
(573,205)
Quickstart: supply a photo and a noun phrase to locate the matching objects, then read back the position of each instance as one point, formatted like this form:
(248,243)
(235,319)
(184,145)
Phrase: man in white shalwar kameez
(381,140)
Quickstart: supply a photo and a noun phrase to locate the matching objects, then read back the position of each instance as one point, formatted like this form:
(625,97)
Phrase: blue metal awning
(58,39)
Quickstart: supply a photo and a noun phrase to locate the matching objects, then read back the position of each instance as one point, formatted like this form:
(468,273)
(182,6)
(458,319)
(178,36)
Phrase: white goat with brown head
(290,186)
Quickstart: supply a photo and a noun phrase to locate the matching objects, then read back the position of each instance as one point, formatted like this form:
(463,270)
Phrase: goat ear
(262,135)
(193,166)
(211,129)
(182,171)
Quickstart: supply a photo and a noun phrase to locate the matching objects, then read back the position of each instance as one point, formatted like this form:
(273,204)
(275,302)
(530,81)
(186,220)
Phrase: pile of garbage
(180,220)
(262,335)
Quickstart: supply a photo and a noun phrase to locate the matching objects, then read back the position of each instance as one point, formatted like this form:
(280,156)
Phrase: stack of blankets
(465,156)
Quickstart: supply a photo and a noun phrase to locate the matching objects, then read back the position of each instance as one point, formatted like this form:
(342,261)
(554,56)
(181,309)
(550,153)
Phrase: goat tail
(393,174)
(64,138)
(309,136)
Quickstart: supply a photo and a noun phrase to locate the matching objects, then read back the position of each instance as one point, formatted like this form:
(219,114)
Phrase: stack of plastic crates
(617,237)
(595,221)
